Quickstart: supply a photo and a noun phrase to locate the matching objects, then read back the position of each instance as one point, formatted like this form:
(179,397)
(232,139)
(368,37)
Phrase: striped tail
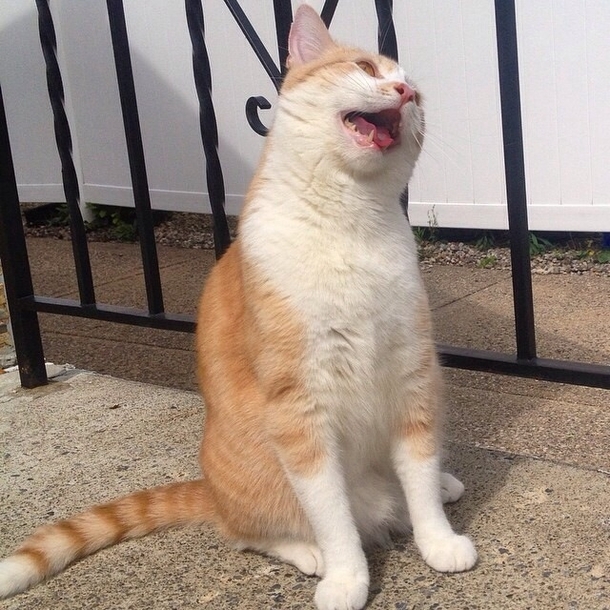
(52,547)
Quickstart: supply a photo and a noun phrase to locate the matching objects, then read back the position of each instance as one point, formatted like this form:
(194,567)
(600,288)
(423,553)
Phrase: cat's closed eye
(367,67)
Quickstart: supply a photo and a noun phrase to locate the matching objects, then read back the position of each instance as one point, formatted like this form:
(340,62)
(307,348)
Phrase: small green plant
(485,242)
(487,262)
(121,221)
(422,234)
(581,254)
(603,256)
(60,217)
(432,224)
(538,244)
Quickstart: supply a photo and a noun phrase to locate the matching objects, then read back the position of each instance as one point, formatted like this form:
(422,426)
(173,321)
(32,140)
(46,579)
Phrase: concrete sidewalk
(534,456)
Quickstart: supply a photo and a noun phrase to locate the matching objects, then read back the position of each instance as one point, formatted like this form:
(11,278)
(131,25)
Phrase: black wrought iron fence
(24,305)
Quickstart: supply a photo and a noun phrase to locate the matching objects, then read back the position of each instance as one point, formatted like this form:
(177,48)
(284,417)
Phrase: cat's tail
(52,547)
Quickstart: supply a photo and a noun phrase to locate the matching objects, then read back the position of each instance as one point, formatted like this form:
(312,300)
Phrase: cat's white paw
(449,553)
(451,488)
(305,557)
(345,591)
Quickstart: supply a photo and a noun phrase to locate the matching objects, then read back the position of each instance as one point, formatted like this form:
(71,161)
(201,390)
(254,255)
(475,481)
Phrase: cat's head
(357,107)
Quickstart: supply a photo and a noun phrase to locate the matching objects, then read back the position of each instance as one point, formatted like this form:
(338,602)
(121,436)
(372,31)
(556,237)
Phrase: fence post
(514,168)
(16,268)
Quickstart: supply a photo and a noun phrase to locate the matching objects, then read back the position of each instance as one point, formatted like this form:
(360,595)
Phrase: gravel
(556,260)
(187,230)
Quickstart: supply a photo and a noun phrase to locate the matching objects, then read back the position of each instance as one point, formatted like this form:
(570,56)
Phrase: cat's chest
(352,276)
(357,296)
(360,311)
(329,271)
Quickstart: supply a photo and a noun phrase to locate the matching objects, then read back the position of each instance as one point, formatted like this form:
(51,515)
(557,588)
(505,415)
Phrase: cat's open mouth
(378,130)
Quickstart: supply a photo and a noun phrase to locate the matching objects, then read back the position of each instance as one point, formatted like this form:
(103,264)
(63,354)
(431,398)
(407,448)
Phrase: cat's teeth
(371,135)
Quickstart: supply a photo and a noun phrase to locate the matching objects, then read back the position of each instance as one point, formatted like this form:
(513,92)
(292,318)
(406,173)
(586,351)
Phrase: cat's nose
(406,93)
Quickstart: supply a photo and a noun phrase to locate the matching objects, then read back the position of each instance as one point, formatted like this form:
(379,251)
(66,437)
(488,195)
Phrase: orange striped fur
(315,352)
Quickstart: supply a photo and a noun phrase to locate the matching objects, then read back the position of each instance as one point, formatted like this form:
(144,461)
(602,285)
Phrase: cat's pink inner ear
(308,37)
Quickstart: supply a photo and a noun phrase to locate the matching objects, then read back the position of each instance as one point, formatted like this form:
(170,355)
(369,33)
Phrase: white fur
(331,237)
(17,573)
(306,557)
(326,504)
(451,489)
(440,547)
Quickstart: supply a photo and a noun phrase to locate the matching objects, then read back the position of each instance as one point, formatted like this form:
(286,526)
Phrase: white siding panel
(448,48)
(598,76)
(460,178)
(572,95)
(97,125)
(538,101)
(29,117)
(418,49)
(483,102)
(454,114)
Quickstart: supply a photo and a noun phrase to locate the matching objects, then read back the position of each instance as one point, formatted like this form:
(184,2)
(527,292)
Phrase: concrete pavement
(534,456)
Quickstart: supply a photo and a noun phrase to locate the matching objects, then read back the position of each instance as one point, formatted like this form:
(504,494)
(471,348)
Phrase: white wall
(447,46)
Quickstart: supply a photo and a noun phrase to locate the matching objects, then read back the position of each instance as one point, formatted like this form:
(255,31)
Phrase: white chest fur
(354,281)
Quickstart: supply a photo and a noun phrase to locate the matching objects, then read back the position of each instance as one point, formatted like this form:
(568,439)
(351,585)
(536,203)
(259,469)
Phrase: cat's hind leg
(304,556)
(452,489)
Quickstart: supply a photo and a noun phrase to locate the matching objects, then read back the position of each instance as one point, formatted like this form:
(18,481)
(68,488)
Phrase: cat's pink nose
(406,93)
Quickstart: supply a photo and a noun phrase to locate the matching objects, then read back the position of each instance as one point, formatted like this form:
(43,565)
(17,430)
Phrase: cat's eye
(367,67)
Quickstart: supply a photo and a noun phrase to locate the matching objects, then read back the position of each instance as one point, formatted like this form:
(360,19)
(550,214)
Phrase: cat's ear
(308,37)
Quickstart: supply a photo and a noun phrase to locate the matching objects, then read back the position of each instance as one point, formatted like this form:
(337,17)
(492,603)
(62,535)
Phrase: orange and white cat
(315,348)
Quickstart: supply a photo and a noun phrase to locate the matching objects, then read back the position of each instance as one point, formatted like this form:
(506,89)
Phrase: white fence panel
(29,117)
(447,46)
(450,48)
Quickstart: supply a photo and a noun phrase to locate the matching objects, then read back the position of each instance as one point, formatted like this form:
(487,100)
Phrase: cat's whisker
(433,139)
(444,156)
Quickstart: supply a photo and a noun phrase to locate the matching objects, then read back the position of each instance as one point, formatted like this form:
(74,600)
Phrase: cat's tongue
(380,135)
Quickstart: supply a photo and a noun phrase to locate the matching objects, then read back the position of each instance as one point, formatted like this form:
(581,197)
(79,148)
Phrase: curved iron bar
(208,126)
(328,11)
(48,42)
(253,104)
(283,20)
(255,42)
(386,33)
(135,152)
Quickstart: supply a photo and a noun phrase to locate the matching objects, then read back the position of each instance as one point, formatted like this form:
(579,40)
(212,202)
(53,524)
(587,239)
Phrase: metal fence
(24,305)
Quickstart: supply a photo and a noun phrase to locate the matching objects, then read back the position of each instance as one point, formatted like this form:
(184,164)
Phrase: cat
(315,351)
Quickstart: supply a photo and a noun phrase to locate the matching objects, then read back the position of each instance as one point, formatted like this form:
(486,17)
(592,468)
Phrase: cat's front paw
(343,591)
(449,553)
(451,488)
